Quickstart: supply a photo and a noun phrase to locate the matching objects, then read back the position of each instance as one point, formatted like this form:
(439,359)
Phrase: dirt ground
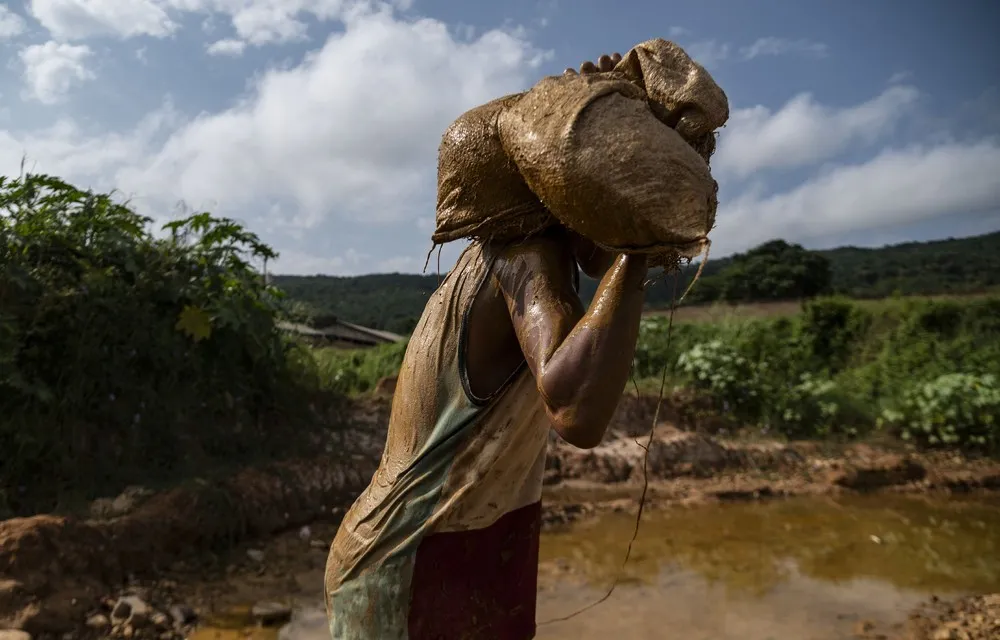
(146,565)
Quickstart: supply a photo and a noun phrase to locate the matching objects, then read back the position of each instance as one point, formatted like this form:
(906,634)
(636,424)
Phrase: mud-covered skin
(530,311)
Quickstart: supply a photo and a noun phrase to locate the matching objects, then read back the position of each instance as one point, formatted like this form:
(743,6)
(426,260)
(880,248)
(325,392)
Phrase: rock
(888,470)
(160,620)
(182,615)
(863,627)
(14,634)
(131,611)
(256,555)
(319,544)
(98,621)
(270,614)
(305,533)
(309,624)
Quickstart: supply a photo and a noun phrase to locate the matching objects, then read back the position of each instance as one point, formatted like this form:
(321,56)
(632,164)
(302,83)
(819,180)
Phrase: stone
(182,615)
(14,634)
(271,613)
(256,555)
(98,621)
(132,610)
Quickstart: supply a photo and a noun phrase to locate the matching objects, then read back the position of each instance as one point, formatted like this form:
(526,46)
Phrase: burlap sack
(592,150)
(679,84)
(596,152)
(481,193)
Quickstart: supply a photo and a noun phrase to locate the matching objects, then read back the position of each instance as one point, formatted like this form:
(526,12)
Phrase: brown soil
(56,572)
(968,618)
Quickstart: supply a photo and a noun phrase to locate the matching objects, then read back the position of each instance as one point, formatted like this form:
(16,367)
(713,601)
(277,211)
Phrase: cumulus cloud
(52,69)
(708,53)
(898,186)
(772,46)
(325,155)
(256,22)
(80,19)
(11,24)
(232,48)
(329,141)
(803,132)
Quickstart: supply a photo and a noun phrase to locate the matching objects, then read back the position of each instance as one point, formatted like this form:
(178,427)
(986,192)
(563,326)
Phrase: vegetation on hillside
(124,355)
(774,271)
(924,370)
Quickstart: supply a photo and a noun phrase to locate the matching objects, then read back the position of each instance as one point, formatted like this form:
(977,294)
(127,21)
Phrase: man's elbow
(577,431)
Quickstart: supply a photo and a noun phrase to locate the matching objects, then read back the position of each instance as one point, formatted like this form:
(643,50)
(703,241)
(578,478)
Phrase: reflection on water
(804,569)
(909,543)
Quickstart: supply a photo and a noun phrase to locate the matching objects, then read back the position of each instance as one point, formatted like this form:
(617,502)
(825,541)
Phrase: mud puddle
(800,568)
(810,569)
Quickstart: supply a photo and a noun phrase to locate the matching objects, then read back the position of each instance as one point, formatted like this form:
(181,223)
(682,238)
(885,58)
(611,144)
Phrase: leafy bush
(358,371)
(955,409)
(124,355)
(768,394)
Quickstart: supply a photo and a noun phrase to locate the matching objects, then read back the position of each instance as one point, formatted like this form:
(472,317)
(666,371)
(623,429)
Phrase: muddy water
(805,569)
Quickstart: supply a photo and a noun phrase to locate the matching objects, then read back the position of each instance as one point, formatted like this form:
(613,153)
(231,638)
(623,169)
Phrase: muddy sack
(481,193)
(600,153)
(593,151)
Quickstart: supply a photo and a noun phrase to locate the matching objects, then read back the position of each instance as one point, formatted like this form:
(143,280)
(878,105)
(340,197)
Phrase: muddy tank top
(444,541)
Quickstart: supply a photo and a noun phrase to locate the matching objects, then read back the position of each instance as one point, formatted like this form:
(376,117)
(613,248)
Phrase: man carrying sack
(443,544)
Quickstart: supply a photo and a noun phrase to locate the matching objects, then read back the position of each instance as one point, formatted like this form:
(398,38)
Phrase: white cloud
(233,48)
(803,132)
(678,32)
(11,24)
(707,53)
(52,69)
(900,76)
(896,187)
(256,22)
(772,46)
(80,19)
(327,140)
(333,160)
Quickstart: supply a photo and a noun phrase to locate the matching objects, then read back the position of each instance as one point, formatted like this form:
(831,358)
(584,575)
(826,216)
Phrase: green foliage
(390,302)
(775,270)
(126,355)
(766,391)
(954,409)
(835,366)
(395,301)
(358,371)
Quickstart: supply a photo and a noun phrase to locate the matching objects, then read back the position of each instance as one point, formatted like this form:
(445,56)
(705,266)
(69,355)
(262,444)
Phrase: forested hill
(775,270)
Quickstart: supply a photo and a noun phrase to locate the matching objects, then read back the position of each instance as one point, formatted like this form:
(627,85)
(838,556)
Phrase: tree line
(775,270)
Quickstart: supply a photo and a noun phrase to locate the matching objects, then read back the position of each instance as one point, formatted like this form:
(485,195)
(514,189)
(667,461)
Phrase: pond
(802,568)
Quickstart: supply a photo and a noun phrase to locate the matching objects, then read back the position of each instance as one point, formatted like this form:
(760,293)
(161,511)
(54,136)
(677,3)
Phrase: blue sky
(316,122)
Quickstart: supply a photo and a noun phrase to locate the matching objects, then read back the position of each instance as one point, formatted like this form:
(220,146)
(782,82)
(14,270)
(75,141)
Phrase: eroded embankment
(56,571)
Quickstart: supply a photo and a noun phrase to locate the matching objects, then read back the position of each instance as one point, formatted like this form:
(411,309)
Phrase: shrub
(954,409)
(769,393)
(124,355)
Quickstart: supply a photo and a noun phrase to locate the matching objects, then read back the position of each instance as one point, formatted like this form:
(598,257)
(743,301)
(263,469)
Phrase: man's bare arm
(580,359)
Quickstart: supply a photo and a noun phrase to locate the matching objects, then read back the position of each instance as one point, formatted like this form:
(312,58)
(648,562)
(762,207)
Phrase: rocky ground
(144,565)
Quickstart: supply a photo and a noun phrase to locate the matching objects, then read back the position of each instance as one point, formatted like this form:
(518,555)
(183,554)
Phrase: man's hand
(604,63)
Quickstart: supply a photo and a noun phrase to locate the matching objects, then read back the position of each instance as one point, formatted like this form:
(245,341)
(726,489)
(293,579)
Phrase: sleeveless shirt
(443,543)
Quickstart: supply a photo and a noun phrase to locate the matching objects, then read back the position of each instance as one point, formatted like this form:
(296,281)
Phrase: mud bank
(58,572)
(55,569)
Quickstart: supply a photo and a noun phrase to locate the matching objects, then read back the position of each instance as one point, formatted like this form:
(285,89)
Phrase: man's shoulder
(544,260)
